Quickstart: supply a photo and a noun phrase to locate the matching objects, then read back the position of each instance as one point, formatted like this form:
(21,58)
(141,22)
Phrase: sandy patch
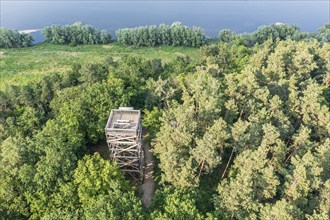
(29,31)
(179,54)
(107,46)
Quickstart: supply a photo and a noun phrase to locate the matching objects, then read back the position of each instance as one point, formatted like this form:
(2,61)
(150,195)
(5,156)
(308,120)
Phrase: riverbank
(29,31)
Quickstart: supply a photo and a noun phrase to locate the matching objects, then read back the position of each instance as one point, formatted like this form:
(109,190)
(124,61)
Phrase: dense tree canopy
(227,35)
(171,203)
(45,127)
(272,116)
(75,34)
(172,35)
(276,31)
(323,33)
(14,39)
(241,133)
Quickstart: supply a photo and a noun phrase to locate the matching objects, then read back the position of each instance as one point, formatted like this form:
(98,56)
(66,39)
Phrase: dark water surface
(240,16)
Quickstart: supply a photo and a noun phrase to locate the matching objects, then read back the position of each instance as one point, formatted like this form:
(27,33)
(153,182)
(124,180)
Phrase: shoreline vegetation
(76,34)
(238,127)
(149,36)
(78,42)
(170,35)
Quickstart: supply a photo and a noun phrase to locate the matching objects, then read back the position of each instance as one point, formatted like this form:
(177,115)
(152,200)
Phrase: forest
(241,131)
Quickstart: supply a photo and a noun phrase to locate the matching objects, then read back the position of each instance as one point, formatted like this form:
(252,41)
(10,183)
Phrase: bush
(265,32)
(323,33)
(173,35)
(75,34)
(227,35)
(14,39)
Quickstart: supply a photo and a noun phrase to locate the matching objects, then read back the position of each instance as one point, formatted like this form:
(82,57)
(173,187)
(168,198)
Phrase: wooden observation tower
(123,133)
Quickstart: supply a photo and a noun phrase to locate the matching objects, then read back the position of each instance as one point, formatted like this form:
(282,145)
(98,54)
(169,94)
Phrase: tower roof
(123,119)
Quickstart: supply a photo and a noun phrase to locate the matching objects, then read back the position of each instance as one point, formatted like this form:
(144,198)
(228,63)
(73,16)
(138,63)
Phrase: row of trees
(75,34)
(276,31)
(14,39)
(172,35)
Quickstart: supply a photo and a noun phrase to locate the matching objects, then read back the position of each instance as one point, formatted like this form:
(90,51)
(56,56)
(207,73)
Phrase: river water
(240,16)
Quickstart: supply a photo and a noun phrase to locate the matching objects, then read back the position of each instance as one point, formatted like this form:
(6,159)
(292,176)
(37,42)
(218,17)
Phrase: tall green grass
(17,65)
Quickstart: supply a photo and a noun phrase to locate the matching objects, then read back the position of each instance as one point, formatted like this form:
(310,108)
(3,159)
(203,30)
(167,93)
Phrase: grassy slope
(17,65)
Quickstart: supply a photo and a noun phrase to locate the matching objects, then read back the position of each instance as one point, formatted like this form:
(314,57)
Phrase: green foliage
(13,154)
(323,33)
(151,120)
(55,147)
(91,106)
(259,110)
(19,66)
(98,190)
(103,192)
(226,35)
(75,34)
(241,134)
(252,184)
(134,71)
(171,203)
(14,39)
(177,143)
(225,58)
(173,35)
(25,121)
(208,149)
(273,31)
(91,73)
(281,84)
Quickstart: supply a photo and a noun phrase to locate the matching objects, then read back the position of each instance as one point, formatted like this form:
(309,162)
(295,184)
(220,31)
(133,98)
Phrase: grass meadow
(20,65)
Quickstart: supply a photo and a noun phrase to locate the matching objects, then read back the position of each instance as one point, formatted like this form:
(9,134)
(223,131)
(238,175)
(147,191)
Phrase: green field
(22,64)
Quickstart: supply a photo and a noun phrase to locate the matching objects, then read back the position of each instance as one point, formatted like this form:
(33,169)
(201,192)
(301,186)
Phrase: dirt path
(148,186)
